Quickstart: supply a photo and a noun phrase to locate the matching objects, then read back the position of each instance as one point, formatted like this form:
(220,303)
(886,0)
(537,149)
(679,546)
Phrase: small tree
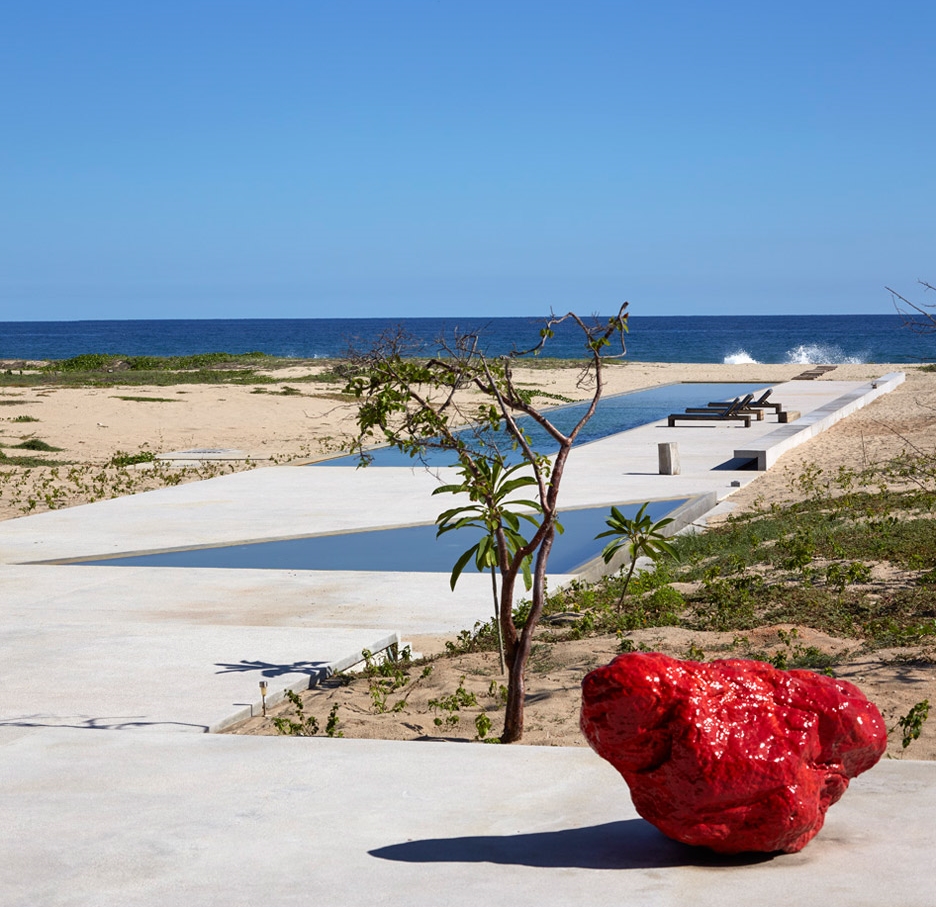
(493,512)
(416,405)
(642,537)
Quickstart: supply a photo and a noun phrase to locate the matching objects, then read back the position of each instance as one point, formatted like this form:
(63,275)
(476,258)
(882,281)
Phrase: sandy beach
(89,426)
(292,423)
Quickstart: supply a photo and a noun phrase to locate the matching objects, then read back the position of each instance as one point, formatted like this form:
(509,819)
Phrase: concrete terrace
(164,815)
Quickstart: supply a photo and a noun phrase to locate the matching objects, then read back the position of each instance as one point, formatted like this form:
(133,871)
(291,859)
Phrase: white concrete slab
(124,677)
(146,647)
(269,503)
(769,448)
(156,819)
(144,596)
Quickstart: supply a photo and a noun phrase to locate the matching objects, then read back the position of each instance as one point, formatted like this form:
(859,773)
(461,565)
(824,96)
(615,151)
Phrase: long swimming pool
(410,549)
(614,414)
(416,549)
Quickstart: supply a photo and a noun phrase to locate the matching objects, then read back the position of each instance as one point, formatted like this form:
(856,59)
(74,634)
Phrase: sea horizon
(729,339)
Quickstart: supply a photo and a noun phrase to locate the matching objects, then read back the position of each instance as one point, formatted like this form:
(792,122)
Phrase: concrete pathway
(169,817)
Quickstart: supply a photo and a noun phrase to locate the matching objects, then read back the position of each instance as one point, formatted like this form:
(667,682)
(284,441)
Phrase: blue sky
(416,157)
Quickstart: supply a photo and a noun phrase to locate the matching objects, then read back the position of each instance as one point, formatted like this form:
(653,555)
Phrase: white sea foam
(740,357)
(820,353)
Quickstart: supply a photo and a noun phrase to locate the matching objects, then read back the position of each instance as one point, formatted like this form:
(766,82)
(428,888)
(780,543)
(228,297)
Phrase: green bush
(35,444)
(87,362)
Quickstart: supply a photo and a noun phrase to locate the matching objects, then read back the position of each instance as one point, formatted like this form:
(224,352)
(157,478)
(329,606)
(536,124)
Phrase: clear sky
(190,158)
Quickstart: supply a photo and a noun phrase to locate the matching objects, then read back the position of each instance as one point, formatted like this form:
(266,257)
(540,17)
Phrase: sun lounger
(756,414)
(742,406)
(760,403)
(728,414)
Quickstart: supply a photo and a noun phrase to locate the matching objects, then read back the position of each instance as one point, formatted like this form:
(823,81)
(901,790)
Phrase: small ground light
(263,692)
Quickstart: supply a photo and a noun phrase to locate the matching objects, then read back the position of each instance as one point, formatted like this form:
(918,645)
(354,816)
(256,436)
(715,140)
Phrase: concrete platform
(169,817)
(148,648)
(156,819)
(768,449)
(92,649)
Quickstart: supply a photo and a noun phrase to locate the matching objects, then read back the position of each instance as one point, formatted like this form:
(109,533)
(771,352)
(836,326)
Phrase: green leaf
(460,565)
(527,574)
(507,487)
(449,489)
(483,553)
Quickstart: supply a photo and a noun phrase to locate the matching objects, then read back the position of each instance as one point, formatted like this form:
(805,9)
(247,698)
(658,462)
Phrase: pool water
(614,414)
(412,549)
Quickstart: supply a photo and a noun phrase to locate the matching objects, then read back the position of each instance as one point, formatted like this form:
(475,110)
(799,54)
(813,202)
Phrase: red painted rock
(733,755)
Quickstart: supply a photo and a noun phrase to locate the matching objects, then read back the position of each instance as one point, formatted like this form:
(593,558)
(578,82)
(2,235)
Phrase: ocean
(800,339)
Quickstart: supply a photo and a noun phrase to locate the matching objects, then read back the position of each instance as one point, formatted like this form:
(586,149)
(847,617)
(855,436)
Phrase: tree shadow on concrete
(316,670)
(101,723)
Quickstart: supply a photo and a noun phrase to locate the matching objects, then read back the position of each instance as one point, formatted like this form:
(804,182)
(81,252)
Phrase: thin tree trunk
(516,689)
(630,573)
(508,630)
(516,693)
(497,623)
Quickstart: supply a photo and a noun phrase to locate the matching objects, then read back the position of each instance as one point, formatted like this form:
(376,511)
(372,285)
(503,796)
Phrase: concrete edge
(211,455)
(273,698)
(768,449)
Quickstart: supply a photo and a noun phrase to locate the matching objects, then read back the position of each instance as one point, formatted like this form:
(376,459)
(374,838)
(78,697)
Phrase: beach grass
(819,562)
(109,370)
(112,370)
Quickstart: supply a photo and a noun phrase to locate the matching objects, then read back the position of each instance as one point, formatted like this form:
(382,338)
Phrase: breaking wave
(804,354)
(820,354)
(739,357)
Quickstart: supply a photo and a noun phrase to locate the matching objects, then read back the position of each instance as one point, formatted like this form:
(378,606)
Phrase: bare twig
(917,317)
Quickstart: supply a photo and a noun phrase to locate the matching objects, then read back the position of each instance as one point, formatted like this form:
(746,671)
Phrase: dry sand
(91,425)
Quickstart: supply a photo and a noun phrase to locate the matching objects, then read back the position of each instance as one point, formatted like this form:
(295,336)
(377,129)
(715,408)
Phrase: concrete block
(669,458)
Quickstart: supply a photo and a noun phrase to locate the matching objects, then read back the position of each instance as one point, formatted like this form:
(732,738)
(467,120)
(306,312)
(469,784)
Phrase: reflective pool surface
(413,549)
(620,412)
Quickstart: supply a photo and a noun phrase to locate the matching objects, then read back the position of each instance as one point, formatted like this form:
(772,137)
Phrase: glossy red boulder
(733,755)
